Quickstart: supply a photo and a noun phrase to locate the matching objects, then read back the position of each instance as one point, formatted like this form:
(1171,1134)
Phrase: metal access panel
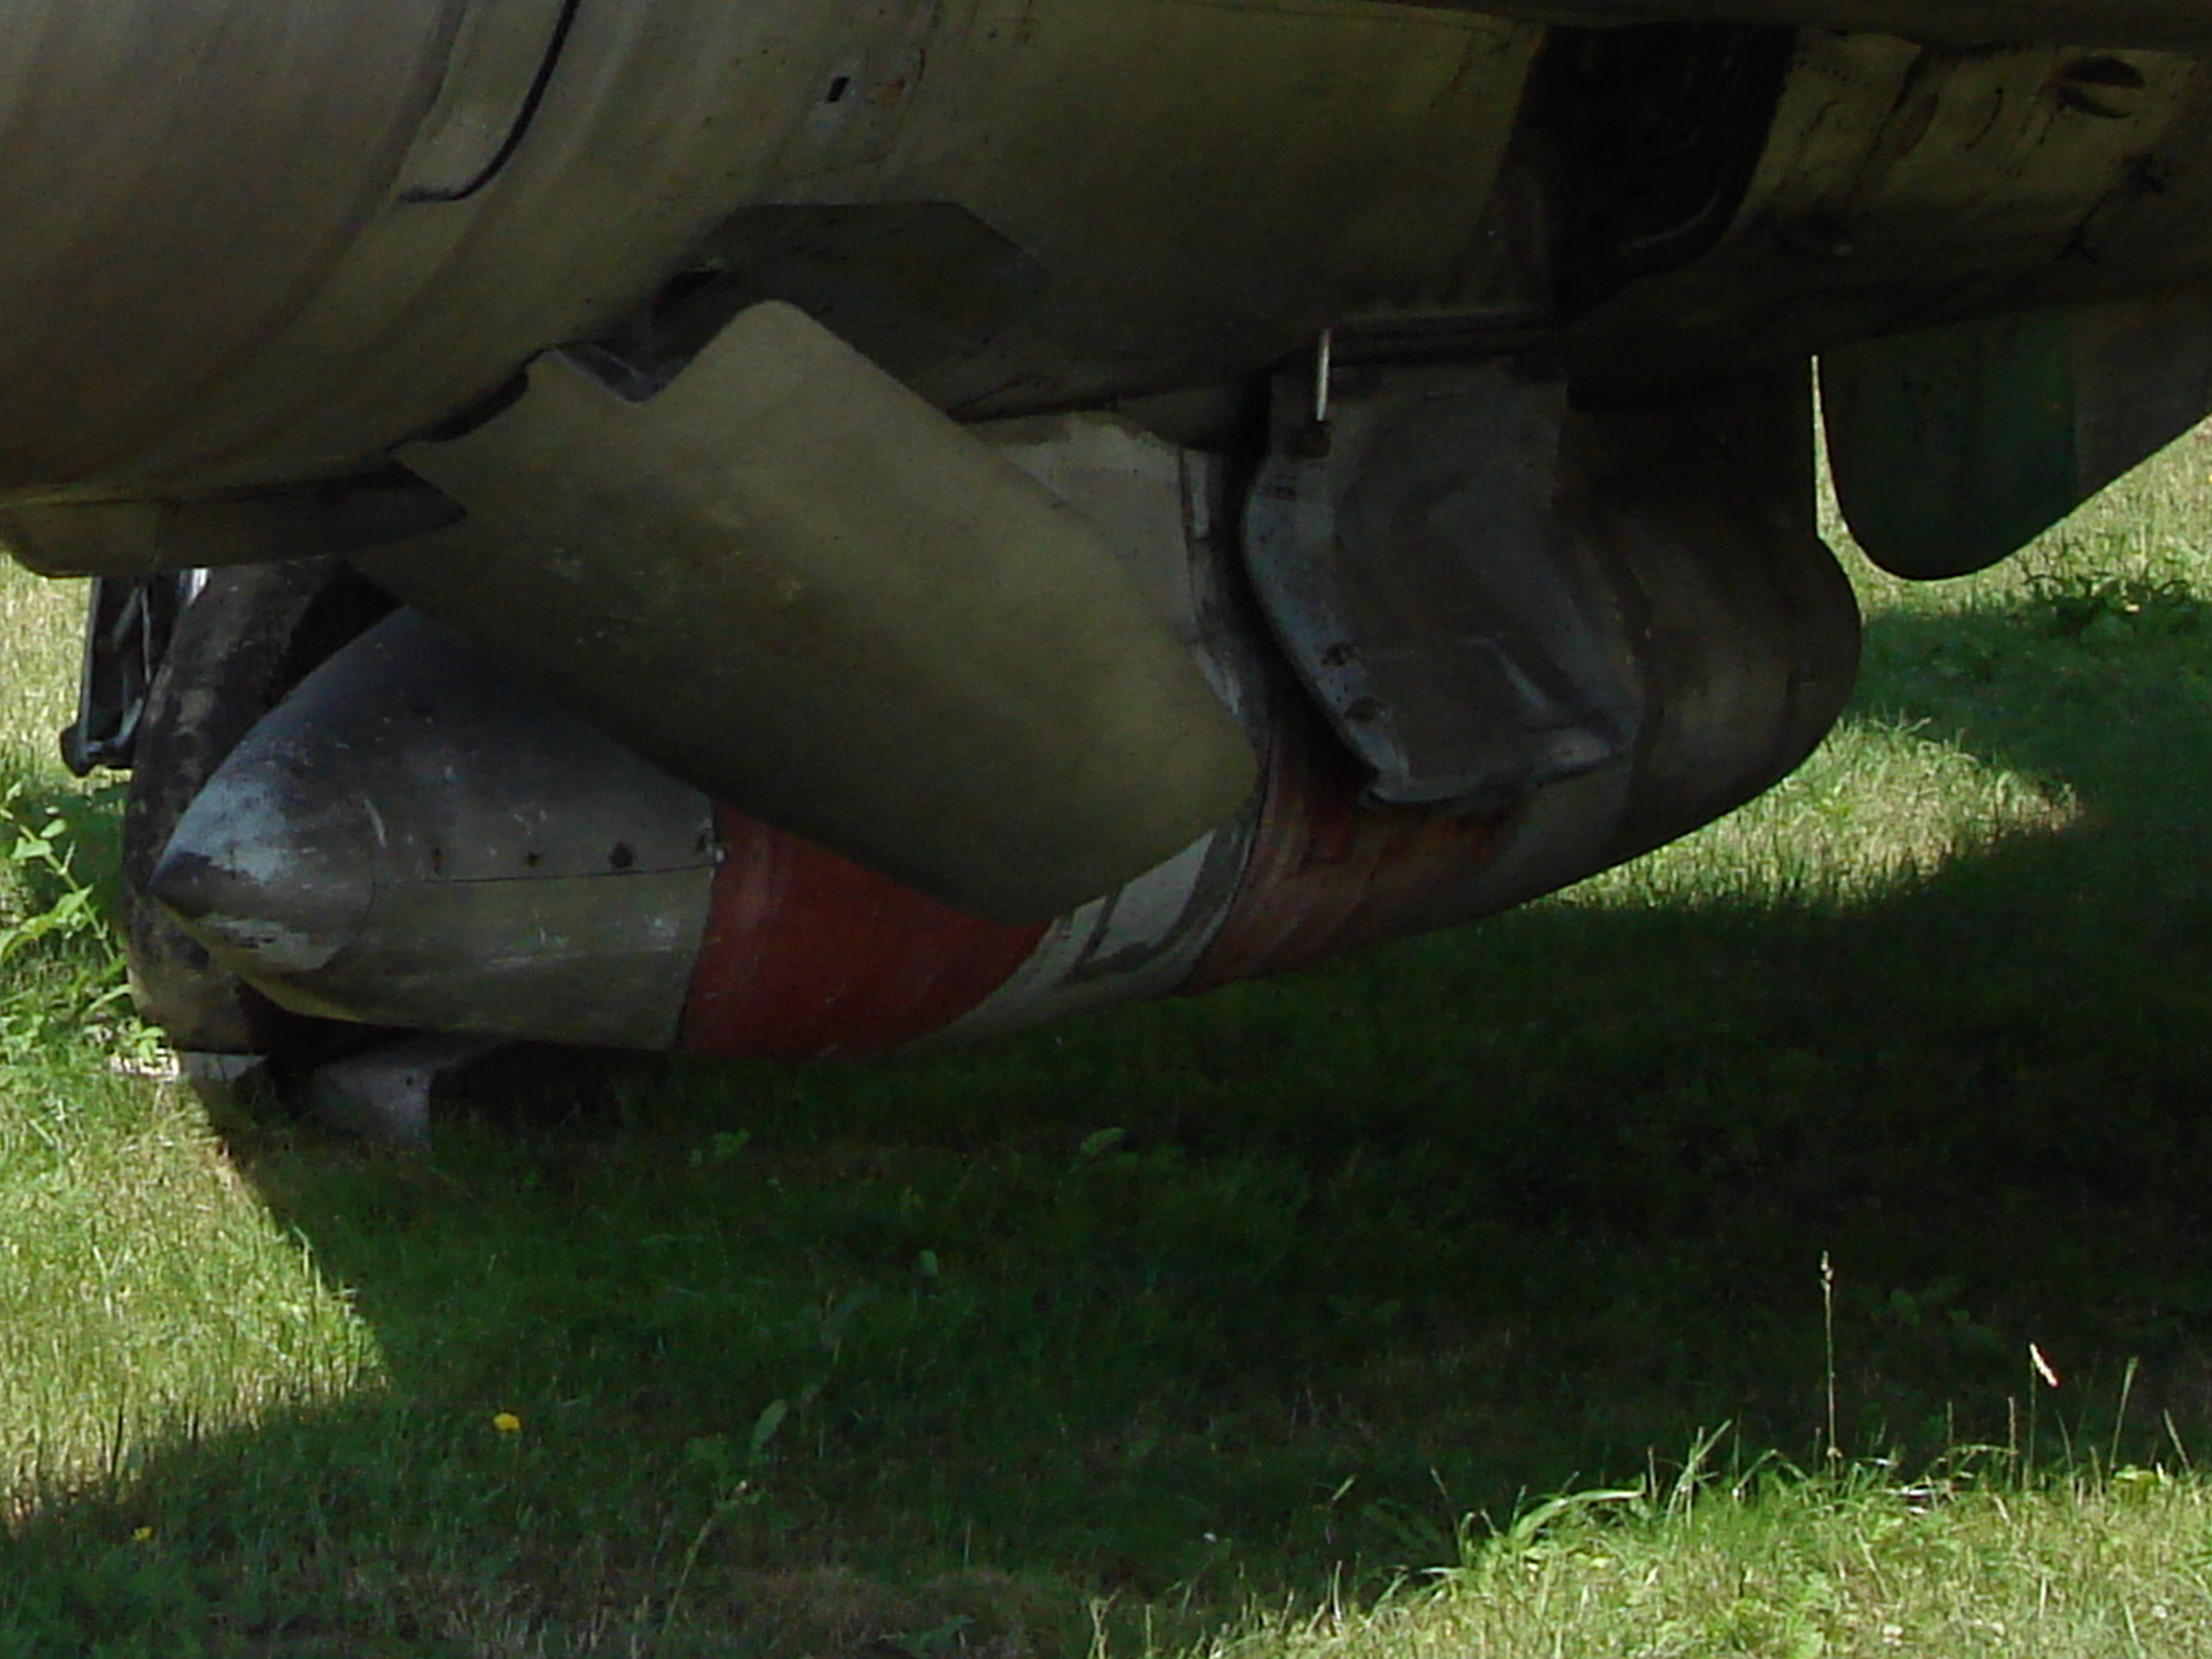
(1401,540)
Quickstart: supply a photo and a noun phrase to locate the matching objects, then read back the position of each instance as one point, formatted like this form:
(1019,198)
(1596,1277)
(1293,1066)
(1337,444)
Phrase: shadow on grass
(1190,1304)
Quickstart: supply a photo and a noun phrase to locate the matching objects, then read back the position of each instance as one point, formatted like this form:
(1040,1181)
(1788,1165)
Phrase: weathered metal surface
(1331,874)
(918,287)
(159,237)
(408,840)
(1168,515)
(809,955)
(248,638)
(1206,185)
(131,538)
(259,244)
(1905,187)
(1961,22)
(497,71)
(255,246)
(258,248)
(789,580)
(1404,550)
(1736,631)
(1954,447)
(1745,630)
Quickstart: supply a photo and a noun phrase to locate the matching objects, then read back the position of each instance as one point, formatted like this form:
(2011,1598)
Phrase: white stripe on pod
(1158,506)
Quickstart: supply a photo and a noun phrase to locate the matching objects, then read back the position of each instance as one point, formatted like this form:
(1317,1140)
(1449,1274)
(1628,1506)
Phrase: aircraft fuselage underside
(912,516)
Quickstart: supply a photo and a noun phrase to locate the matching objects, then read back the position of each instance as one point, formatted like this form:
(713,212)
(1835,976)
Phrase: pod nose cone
(409,839)
(273,878)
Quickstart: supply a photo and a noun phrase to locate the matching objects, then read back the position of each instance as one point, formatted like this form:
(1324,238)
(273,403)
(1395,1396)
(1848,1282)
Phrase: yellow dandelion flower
(506,1423)
(142,1535)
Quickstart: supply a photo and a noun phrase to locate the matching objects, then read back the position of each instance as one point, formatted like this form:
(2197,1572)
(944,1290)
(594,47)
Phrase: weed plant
(1290,1300)
(61,974)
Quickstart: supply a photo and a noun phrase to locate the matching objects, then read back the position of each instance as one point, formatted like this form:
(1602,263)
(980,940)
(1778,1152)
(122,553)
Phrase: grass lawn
(1246,1326)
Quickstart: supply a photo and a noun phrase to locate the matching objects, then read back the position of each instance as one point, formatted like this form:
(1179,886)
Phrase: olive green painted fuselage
(360,277)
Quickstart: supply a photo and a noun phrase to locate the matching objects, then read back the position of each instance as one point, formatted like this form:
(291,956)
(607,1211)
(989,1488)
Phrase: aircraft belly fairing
(920,516)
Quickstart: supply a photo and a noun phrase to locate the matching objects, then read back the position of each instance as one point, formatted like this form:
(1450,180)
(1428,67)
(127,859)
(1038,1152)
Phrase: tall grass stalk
(1834,1448)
